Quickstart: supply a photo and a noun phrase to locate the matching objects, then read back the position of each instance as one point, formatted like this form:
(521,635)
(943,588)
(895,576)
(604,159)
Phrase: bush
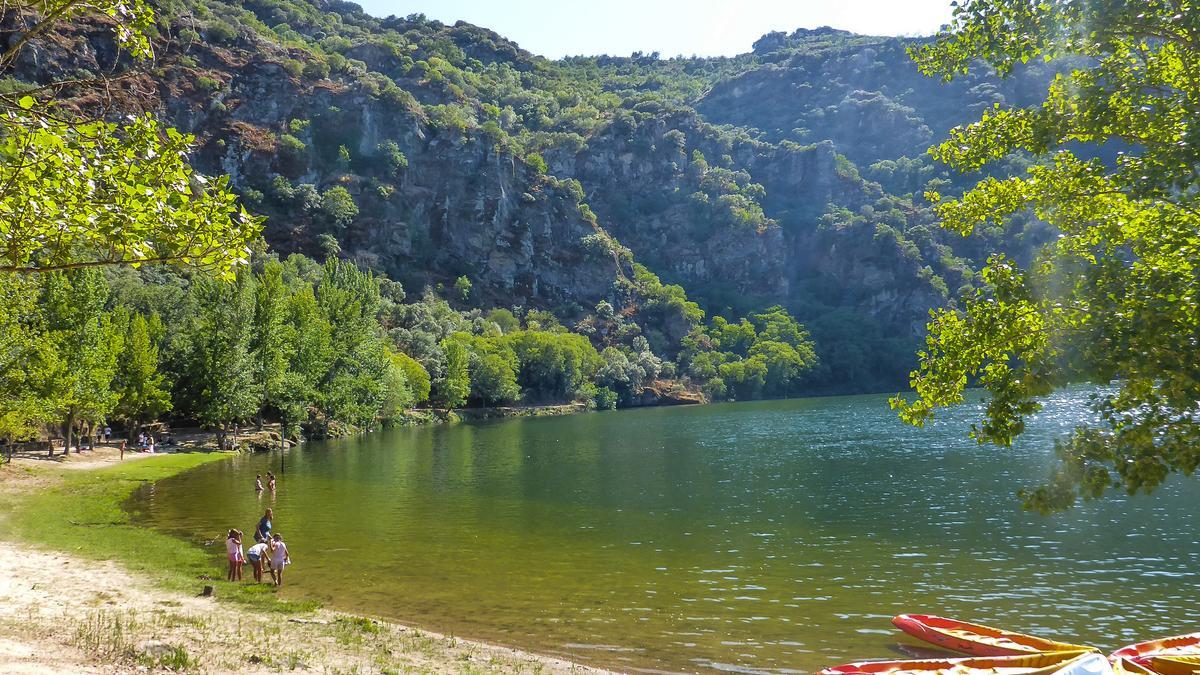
(537,163)
(292,155)
(208,84)
(338,207)
(292,66)
(220,32)
(605,399)
(317,70)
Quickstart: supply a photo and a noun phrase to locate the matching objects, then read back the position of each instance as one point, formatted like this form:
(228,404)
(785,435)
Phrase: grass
(81,512)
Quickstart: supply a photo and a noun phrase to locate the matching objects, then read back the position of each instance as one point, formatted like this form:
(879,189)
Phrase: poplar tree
(142,389)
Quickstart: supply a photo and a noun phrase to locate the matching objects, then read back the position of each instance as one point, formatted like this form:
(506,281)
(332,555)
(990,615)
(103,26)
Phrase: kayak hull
(1052,663)
(976,639)
(1180,645)
(1170,665)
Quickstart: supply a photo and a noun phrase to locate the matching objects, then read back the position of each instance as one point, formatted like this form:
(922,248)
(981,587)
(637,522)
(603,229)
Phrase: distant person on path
(257,555)
(258,483)
(279,558)
(107,433)
(263,531)
(233,546)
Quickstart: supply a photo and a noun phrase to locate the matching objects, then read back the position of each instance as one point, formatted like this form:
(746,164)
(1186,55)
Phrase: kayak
(1171,665)
(977,640)
(1126,667)
(1180,645)
(1050,663)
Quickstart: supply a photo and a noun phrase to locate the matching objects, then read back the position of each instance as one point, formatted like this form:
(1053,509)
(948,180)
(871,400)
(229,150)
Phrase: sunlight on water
(777,536)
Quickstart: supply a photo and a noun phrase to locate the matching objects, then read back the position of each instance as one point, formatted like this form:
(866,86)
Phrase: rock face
(661,393)
(791,175)
(462,207)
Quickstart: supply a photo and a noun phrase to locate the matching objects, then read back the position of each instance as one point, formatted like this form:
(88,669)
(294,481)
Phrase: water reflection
(772,536)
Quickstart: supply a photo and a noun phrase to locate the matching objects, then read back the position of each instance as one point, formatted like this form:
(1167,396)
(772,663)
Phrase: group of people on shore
(268,550)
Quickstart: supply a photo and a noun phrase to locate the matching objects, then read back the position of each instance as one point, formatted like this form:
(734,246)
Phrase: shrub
(338,207)
(292,155)
(317,70)
(220,32)
(207,84)
(536,162)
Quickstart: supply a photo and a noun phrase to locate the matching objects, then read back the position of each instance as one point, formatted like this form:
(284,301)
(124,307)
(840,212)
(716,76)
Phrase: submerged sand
(66,614)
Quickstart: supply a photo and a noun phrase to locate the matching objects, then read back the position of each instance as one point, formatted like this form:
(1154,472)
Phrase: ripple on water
(748,538)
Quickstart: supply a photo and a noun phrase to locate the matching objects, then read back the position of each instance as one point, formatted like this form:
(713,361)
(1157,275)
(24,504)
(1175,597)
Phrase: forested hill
(790,175)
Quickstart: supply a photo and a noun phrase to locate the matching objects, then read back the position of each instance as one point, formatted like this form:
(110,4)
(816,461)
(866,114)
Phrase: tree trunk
(70,428)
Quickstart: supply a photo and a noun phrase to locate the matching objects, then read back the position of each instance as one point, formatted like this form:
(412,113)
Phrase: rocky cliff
(789,175)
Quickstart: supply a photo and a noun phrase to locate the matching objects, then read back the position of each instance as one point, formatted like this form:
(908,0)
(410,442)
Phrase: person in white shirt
(279,558)
(257,555)
(233,546)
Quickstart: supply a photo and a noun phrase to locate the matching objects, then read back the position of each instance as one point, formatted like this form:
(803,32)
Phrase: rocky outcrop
(668,393)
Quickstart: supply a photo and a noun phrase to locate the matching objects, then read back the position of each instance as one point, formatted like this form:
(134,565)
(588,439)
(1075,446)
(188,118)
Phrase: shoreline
(86,591)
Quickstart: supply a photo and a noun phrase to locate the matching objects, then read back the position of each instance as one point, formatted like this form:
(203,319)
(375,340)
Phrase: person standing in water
(233,546)
(263,531)
(271,481)
(258,483)
(279,558)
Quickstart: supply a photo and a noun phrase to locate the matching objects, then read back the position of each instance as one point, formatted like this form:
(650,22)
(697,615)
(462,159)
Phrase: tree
(87,343)
(82,193)
(462,287)
(312,355)
(272,346)
(1114,298)
(352,390)
(493,371)
(29,365)
(219,382)
(415,375)
(456,385)
(144,394)
(398,395)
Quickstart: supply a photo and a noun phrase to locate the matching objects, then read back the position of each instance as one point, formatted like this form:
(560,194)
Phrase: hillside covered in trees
(504,228)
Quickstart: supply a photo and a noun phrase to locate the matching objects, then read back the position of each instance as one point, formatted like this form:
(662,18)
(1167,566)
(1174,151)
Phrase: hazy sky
(555,28)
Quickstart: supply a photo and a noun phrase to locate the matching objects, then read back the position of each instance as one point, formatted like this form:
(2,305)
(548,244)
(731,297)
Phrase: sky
(672,27)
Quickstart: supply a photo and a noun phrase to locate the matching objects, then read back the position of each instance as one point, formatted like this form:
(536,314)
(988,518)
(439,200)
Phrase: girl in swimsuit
(233,547)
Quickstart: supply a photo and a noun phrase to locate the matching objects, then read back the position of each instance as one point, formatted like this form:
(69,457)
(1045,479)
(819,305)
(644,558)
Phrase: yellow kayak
(1171,665)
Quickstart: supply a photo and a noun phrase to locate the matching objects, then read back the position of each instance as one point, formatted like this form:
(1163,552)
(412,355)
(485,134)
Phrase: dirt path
(64,614)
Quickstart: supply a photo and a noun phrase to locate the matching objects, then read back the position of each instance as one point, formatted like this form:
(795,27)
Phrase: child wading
(257,555)
(233,545)
(279,558)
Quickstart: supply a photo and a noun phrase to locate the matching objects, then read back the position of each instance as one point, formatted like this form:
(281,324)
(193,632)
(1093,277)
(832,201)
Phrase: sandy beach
(64,612)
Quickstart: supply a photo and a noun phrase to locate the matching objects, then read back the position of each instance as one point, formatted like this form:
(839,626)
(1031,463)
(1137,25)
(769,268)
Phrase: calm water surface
(777,536)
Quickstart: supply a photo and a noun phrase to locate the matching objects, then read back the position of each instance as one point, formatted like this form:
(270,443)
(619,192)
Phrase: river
(774,536)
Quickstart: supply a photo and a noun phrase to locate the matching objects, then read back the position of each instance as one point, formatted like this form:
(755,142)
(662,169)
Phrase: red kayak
(1054,663)
(1180,645)
(977,640)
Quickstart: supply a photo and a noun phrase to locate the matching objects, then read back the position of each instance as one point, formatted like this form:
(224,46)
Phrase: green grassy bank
(79,511)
